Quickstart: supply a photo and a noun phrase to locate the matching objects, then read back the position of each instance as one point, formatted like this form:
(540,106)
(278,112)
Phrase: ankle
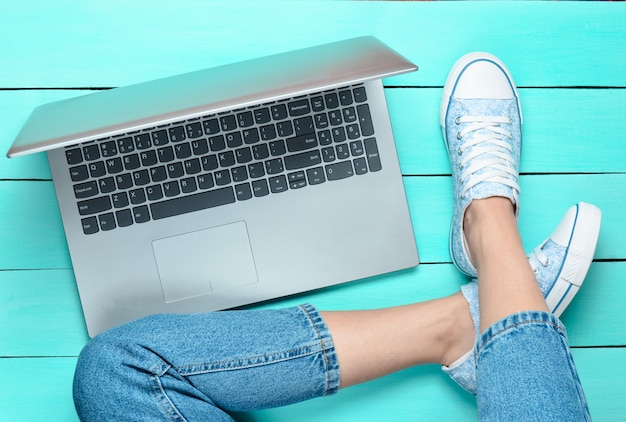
(458,335)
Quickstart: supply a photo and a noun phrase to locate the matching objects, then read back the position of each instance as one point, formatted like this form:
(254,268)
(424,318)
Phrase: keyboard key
(353,131)
(182,150)
(114,165)
(192,166)
(260,188)
(243,191)
(177,134)
(124,181)
(302,160)
(345,97)
(371,150)
(138,196)
(284,128)
(143,141)
(339,171)
(274,166)
(175,170)
(228,123)
(365,119)
(205,181)
(301,143)
(349,114)
(107,221)
(91,152)
(239,174)
(165,154)
(74,156)
(108,148)
(222,177)
(250,136)
(97,169)
(268,132)
(277,148)
(328,154)
(359,94)
(217,143)
(209,162)
(124,218)
(334,117)
(360,165)
(141,214)
(234,139)
(125,145)
(107,185)
(226,158)
(256,170)
(158,174)
(317,104)
(120,200)
(79,173)
(245,119)
(315,176)
(194,130)
(188,185)
(171,188)
(194,202)
(159,137)
(278,184)
(262,115)
(85,190)
(153,193)
(94,206)
(200,147)
(339,134)
(260,152)
(131,162)
(90,225)
(243,155)
(279,111)
(343,151)
(303,125)
(148,158)
(332,100)
(299,107)
(141,177)
(356,148)
(211,126)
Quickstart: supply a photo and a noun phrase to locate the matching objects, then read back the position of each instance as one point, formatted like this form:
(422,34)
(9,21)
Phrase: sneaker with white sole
(481,120)
(560,264)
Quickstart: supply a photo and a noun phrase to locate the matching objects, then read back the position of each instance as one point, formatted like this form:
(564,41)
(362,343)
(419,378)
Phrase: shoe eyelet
(545,264)
(459,151)
(457,121)
(536,271)
(458,136)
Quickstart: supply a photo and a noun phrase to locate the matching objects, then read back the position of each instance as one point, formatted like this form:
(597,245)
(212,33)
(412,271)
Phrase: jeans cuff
(327,345)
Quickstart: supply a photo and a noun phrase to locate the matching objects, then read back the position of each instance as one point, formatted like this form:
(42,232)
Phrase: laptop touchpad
(205,261)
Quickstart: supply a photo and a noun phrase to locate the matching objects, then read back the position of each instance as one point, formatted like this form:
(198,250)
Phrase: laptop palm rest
(204,262)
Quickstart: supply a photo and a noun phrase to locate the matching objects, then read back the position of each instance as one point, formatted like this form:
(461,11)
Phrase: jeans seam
(163,399)
(323,345)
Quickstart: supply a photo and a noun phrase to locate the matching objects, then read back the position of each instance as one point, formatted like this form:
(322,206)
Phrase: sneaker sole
(578,257)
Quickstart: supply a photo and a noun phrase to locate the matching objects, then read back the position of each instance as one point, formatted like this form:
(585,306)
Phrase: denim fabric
(525,371)
(202,366)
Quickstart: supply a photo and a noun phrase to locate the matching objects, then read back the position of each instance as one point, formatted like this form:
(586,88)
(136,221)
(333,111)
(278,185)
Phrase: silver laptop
(229,186)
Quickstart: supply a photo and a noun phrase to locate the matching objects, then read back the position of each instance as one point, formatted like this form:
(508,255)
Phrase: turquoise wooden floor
(568,59)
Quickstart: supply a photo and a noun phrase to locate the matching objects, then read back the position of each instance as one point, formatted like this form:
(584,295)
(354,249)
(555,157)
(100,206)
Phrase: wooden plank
(40,313)
(99,44)
(562,133)
(40,390)
(29,216)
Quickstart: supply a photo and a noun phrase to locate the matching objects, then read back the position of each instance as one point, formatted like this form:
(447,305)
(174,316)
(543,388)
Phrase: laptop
(229,186)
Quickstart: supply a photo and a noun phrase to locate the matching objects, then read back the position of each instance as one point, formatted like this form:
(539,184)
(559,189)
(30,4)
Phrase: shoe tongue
(489,107)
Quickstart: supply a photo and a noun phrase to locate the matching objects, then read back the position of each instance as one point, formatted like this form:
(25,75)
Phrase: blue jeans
(203,366)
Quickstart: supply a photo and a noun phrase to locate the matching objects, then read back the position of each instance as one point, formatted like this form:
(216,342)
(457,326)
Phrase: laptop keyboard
(219,159)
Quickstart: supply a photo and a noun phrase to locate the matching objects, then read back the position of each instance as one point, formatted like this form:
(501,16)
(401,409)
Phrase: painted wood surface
(567,58)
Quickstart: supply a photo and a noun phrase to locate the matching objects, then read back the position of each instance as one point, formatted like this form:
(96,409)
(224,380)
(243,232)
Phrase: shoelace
(490,153)
(537,255)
